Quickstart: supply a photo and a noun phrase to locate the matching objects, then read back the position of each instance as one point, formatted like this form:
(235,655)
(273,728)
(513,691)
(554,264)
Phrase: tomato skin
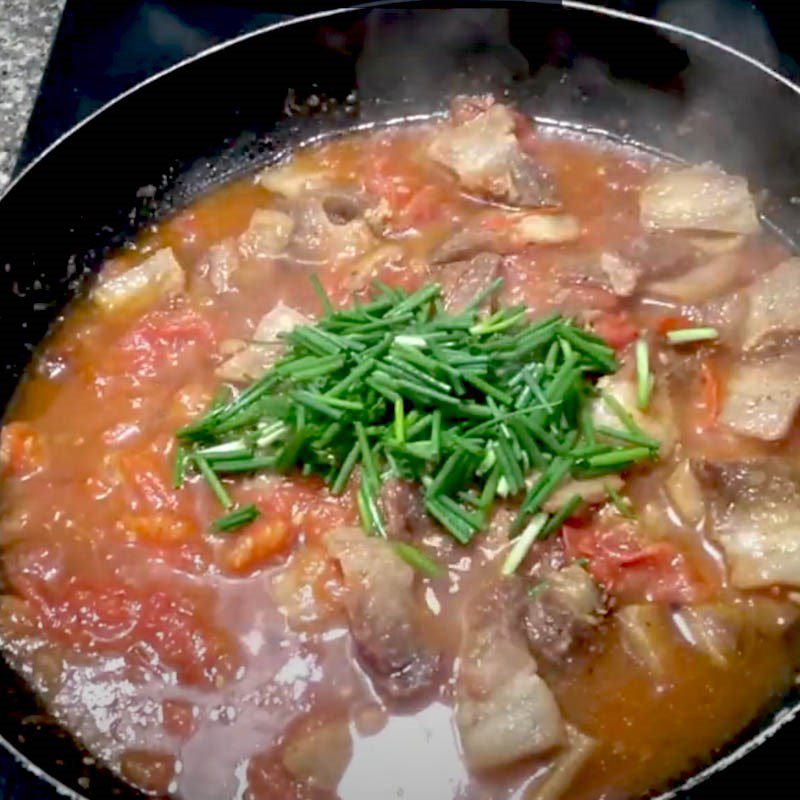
(112,617)
(256,546)
(710,395)
(616,328)
(158,342)
(635,571)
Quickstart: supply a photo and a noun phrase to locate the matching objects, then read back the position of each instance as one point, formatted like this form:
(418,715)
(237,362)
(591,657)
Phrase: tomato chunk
(306,506)
(405,189)
(616,328)
(150,771)
(159,341)
(22,452)
(710,394)
(259,544)
(636,571)
(172,624)
(179,718)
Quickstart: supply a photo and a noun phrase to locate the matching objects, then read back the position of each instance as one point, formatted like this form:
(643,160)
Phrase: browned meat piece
(518,231)
(646,633)
(658,253)
(565,611)
(762,398)
(379,601)
(221,262)
(463,281)
(756,518)
(621,274)
(504,710)
(592,490)
(257,356)
(157,277)
(365,269)
(330,226)
(466,243)
(293,178)
(773,306)
(698,198)
(702,282)
(482,149)
(267,235)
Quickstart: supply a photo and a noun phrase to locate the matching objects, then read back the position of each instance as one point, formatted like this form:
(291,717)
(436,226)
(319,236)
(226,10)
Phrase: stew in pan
(441,460)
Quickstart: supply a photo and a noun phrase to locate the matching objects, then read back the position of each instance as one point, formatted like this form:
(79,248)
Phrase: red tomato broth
(178,628)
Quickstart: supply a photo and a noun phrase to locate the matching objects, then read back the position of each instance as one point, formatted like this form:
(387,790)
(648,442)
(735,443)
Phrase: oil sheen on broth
(295,657)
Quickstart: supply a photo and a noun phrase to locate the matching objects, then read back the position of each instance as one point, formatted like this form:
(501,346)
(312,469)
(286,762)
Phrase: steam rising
(659,87)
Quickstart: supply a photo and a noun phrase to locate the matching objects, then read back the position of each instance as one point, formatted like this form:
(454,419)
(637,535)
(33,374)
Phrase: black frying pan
(236,107)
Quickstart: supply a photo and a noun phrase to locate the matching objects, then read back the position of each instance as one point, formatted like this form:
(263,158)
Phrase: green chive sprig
(691,335)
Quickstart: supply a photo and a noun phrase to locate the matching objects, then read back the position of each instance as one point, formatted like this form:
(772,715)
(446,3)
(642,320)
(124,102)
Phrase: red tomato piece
(306,506)
(146,477)
(160,339)
(22,452)
(666,324)
(386,179)
(636,571)
(178,718)
(710,395)
(116,618)
(423,207)
(411,198)
(616,328)
(151,771)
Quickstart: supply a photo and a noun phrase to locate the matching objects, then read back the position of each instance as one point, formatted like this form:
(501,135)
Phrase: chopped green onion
(561,516)
(411,341)
(236,519)
(179,466)
(622,456)
(644,380)
(417,559)
(522,544)
(689,335)
(399,420)
(337,487)
(622,505)
(214,483)
(322,294)
(538,588)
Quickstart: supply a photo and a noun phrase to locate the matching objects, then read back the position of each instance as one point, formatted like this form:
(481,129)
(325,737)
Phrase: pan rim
(570,5)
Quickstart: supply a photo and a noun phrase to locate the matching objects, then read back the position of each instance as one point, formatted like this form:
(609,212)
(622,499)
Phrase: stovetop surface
(102,49)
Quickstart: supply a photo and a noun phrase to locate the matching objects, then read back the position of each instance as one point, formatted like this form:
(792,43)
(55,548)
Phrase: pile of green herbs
(472,406)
